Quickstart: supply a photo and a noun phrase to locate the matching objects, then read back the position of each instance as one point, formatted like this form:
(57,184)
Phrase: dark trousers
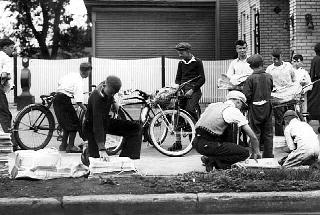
(131,132)
(278,113)
(189,104)
(260,120)
(222,154)
(5,114)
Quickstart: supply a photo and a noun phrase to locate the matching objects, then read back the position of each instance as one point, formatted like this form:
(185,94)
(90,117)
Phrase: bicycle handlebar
(187,82)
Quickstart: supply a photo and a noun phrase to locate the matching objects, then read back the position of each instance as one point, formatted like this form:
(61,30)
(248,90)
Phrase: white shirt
(190,61)
(239,68)
(233,115)
(6,65)
(72,86)
(282,75)
(300,136)
(302,75)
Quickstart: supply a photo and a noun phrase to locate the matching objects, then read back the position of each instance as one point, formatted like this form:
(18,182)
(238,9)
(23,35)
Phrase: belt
(203,132)
(262,102)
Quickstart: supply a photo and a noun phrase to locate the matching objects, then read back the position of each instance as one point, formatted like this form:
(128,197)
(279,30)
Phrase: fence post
(90,74)
(15,82)
(163,71)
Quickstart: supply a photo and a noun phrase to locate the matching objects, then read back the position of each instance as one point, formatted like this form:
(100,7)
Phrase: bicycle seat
(48,96)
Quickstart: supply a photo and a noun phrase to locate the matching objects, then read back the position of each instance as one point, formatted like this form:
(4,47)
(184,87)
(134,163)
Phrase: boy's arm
(99,115)
(288,138)
(247,90)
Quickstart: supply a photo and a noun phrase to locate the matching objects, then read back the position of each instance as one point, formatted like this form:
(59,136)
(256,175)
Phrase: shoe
(204,160)
(62,148)
(175,147)
(72,149)
(85,157)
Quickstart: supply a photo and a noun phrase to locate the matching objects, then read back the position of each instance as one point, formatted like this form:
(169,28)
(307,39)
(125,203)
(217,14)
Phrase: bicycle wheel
(33,127)
(164,131)
(114,143)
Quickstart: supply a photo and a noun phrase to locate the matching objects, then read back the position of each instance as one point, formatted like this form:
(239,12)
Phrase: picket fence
(144,74)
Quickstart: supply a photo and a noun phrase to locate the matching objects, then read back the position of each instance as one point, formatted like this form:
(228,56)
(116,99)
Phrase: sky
(77,7)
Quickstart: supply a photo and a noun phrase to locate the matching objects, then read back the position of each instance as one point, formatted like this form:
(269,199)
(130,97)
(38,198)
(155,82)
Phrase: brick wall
(302,38)
(272,31)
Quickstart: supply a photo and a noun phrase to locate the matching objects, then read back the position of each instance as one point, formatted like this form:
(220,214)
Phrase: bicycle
(152,112)
(296,101)
(36,122)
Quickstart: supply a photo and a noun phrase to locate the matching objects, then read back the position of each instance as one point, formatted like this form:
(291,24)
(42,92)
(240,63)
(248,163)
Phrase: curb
(186,203)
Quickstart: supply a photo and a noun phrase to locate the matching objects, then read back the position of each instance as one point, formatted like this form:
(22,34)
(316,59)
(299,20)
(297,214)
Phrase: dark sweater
(188,71)
(258,87)
(97,115)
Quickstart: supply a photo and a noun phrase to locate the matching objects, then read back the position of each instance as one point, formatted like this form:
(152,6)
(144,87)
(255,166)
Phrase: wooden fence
(144,74)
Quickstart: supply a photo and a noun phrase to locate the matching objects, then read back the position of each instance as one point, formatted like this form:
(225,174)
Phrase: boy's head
(289,115)
(297,61)
(85,69)
(111,85)
(7,46)
(183,50)
(255,61)
(241,48)
(276,56)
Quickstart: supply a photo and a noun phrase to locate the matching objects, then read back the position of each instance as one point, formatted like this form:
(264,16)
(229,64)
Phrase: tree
(40,19)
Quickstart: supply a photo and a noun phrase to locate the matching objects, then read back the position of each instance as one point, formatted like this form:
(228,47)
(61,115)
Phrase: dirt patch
(235,180)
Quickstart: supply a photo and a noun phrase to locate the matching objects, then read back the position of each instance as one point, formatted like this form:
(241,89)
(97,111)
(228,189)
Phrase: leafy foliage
(41,19)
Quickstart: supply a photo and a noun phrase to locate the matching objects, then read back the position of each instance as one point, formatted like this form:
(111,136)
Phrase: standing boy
(70,86)
(98,124)
(7,50)
(188,68)
(301,140)
(283,76)
(257,89)
(239,66)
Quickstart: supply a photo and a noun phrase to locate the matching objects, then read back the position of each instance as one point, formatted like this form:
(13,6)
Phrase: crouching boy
(98,124)
(301,140)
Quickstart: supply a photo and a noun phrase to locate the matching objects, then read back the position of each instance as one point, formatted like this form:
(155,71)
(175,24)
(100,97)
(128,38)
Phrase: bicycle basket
(165,97)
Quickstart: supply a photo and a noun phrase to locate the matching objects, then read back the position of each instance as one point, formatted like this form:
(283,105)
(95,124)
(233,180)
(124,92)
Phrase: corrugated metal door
(145,33)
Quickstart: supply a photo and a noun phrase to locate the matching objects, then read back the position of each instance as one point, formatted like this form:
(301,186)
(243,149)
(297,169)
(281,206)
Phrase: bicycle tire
(186,126)
(114,143)
(29,135)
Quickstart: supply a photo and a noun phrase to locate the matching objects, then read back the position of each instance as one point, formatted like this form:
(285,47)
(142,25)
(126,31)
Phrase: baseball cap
(290,113)
(235,94)
(183,46)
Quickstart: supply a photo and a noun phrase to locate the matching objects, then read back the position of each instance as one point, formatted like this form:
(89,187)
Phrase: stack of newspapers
(5,150)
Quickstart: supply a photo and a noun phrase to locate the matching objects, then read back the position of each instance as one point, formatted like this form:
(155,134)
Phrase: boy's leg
(132,134)
(278,120)
(192,103)
(267,138)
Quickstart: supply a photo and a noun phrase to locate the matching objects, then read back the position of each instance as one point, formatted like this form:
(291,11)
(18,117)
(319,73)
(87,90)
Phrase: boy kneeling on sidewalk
(301,140)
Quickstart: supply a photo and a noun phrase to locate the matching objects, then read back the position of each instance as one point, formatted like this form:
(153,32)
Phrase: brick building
(266,24)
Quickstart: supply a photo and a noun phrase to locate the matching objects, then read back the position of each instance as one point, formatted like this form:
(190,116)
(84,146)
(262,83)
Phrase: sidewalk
(152,163)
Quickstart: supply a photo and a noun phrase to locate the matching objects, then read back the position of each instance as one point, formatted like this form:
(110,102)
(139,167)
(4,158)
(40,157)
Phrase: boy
(7,51)
(70,86)
(98,123)
(257,89)
(211,129)
(301,140)
(283,76)
(302,75)
(239,67)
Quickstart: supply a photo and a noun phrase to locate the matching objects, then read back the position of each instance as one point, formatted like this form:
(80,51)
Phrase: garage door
(145,33)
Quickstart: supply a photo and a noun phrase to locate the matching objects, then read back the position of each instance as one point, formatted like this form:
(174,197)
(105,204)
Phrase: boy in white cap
(301,140)
(213,133)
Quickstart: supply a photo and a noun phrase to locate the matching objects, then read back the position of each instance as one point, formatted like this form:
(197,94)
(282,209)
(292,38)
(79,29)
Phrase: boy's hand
(189,93)
(104,156)
(256,156)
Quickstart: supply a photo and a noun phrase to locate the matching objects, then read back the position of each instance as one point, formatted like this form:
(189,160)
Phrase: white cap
(235,94)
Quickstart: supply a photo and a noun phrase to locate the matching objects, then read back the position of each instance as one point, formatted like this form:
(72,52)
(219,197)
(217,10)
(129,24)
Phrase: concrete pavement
(154,163)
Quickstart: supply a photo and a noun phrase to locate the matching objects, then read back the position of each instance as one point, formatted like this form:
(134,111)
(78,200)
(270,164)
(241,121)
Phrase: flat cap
(85,66)
(183,46)
(235,94)
(291,113)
